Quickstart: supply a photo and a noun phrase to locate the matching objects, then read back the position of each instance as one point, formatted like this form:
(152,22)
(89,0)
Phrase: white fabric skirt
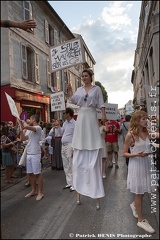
(141,175)
(86,133)
(87,173)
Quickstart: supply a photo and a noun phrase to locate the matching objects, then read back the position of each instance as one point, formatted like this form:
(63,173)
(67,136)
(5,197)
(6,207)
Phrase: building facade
(25,60)
(145,76)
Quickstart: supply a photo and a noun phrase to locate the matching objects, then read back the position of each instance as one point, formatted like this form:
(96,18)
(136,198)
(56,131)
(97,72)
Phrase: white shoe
(72,189)
(134,210)
(146,226)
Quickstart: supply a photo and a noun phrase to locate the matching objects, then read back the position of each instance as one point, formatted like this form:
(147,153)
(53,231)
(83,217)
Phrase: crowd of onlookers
(52,152)
(10,133)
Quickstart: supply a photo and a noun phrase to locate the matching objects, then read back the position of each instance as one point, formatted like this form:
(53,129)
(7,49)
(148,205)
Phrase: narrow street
(57,216)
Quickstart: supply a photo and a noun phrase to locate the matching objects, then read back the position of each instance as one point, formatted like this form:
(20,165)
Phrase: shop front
(27,103)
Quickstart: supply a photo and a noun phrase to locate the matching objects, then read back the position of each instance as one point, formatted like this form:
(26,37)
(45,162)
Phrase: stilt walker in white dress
(86,142)
(141,173)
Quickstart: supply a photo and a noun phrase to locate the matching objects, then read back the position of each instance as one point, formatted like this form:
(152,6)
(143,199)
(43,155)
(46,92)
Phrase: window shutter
(36,68)
(46,31)
(48,74)
(24,61)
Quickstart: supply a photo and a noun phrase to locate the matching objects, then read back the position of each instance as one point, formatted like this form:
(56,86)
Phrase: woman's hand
(142,154)
(69,90)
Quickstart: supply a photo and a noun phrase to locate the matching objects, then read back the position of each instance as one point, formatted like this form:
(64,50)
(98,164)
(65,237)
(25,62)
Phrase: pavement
(60,217)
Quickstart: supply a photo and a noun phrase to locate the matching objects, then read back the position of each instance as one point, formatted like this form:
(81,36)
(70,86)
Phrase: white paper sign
(67,54)
(111,111)
(152,99)
(57,102)
(12,106)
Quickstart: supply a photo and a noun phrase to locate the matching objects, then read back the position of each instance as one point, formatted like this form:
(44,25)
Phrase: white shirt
(33,146)
(68,130)
(94,98)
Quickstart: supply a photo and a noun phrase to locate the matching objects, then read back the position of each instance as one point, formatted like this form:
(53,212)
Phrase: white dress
(140,177)
(87,144)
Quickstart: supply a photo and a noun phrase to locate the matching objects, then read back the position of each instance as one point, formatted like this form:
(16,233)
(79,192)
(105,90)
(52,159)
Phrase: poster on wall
(111,111)
(12,106)
(57,102)
(68,54)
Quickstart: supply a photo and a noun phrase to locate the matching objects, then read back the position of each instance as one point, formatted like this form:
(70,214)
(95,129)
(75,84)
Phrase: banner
(12,106)
(67,54)
(111,111)
(57,102)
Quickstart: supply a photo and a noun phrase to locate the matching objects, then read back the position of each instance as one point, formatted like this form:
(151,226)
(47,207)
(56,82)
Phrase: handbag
(22,161)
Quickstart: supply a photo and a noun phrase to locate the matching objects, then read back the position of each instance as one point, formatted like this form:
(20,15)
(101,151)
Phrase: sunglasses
(85,98)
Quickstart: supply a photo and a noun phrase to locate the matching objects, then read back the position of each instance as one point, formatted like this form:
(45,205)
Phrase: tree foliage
(105,95)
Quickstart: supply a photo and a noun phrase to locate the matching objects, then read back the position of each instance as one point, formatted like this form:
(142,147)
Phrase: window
(53,79)
(146,74)
(24,62)
(65,82)
(30,64)
(56,39)
(146,15)
(151,62)
(36,68)
(27,11)
(46,31)
(49,33)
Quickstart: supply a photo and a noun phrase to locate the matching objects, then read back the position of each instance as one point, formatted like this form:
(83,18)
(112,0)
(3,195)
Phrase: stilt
(97,203)
(78,199)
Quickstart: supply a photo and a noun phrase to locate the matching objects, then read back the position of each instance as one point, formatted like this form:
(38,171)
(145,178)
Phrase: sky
(110,30)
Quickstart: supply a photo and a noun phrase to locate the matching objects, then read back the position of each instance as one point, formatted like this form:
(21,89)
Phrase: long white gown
(87,144)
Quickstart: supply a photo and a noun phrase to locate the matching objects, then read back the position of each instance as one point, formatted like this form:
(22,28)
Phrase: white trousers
(66,152)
